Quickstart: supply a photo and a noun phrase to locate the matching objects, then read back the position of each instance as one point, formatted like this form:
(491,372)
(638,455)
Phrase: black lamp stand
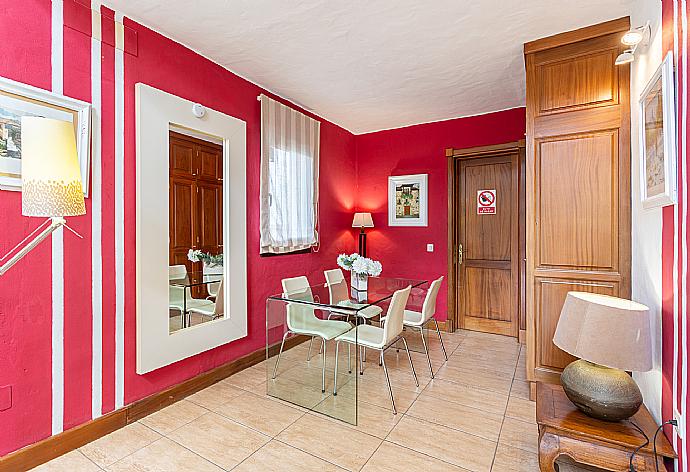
(362,242)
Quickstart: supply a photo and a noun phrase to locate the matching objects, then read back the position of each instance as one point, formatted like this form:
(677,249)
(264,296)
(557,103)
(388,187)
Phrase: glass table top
(379,289)
(193,279)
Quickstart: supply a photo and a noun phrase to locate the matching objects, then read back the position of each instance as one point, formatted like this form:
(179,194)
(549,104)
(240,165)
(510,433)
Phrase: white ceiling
(375,64)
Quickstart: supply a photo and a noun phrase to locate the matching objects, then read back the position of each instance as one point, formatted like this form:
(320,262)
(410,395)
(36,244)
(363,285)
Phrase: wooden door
(488,270)
(578,182)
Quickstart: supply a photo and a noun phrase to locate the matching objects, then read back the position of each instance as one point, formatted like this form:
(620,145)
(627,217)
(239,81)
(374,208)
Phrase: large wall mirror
(191,229)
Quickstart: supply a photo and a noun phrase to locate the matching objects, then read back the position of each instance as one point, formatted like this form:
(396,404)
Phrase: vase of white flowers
(361,268)
(213,263)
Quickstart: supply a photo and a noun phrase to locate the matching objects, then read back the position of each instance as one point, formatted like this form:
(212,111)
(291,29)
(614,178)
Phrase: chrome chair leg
(426,350)
(409,358)
(390,389)
(335,375)
(309,351)
(361,365)
(438,331)
(275,369)
(323,369)
(349,360)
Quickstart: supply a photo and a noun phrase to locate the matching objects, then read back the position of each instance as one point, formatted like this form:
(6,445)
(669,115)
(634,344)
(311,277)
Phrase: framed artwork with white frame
(17,100)
(658,138)
(407,200)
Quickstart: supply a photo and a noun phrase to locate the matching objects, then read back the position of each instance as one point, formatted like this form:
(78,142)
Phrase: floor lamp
(361,221)
(51,181)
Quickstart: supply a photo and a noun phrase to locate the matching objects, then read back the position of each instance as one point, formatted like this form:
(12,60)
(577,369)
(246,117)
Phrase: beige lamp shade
(51,180)
(605,330)
(362,220)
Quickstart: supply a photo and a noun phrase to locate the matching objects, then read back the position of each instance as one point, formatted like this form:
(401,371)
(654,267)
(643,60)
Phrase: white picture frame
(658,143)
(18,99)
(413,211)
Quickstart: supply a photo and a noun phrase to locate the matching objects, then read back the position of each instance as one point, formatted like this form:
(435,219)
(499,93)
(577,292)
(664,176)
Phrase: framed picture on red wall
(407,200)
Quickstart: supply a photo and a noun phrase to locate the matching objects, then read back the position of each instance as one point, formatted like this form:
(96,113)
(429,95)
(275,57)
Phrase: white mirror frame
(156,112)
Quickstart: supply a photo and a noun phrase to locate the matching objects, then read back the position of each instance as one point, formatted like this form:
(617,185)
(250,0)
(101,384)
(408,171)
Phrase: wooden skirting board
(43,451)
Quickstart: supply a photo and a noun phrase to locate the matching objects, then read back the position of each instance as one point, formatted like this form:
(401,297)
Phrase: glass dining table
(184,284)
(300,367)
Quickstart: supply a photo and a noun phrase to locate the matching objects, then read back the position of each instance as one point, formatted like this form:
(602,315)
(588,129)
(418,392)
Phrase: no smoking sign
(486,202)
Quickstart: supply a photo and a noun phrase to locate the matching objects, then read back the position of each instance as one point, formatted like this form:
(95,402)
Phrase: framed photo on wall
(658,138)
(407,200)
(17,100)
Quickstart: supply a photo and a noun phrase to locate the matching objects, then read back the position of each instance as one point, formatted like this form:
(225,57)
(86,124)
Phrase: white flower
(374,268)
(360,266)
(193,255)
(344,261)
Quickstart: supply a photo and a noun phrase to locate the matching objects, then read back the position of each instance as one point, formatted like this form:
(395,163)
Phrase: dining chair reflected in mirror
(416,320)
(216,310)
(379,339)
(301,319)
(177,294)
(339,295)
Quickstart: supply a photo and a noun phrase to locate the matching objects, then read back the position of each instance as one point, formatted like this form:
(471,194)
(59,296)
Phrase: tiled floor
(474,416)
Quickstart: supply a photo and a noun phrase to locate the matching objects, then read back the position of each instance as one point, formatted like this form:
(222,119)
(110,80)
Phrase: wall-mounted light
(633,38)
(198,110)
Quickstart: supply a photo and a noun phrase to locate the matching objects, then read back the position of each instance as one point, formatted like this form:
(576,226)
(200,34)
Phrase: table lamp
(610,336)
(361,221)
(51,180)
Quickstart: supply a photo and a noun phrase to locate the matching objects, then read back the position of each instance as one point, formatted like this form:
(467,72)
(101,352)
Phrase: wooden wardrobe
(577,180)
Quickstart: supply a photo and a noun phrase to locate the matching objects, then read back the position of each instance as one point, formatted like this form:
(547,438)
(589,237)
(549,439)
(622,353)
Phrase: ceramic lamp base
(601,392)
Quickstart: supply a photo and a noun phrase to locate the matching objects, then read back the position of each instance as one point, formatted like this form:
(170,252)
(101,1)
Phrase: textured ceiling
(374,64)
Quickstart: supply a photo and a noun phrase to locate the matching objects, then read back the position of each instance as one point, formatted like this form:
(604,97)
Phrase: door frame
(453,157)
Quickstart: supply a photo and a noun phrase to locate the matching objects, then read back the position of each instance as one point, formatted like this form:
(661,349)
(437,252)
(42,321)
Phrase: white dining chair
(177,294)
(301,319)
(338,294)
(417,320)
(217,309)
(379,339)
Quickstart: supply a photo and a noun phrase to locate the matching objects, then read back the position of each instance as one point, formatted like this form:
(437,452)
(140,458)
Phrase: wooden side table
(565,430)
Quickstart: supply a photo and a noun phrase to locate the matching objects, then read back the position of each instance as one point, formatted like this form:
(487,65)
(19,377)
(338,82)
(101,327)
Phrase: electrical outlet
(429,248)
(680,429)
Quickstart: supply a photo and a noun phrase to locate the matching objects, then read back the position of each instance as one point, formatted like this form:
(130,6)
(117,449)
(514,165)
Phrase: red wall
(420,149)
(25,291)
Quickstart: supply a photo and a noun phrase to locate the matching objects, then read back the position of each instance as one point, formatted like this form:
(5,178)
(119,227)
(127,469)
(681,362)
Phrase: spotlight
(626,57)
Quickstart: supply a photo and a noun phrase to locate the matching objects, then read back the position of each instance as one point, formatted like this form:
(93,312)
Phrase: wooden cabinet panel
(183,213)
(578,180)
(210,213)
(488,237)
(181,157)
(578,82)
(211,163)
(550,297)
(577,201)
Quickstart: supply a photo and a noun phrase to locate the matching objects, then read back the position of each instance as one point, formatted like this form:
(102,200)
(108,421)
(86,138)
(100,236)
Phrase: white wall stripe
(684,228)
(674,400)
(96,242)
(119,225)
(58,299)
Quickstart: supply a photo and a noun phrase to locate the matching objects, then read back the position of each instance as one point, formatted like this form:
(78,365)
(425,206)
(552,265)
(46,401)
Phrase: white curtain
(289,178)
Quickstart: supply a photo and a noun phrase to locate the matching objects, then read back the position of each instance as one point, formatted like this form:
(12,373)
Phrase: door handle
(459,254)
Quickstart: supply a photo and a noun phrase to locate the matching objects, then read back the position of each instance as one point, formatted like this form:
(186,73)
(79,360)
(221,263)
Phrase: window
(289,179)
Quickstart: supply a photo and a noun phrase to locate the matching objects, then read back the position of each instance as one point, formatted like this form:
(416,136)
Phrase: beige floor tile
(519,434)
(278,457)
(73,461)
(457,447)
(520,389)
(330,441)
(118,444)
(260,413)
(219,439)
(485,400)
(393,458)
(490,365)
(249,379)
(172,417)
(474,378)
(164,455)
(370,419)
(457,416)
(215,395)
(522,409)
(510,459)
(378,395)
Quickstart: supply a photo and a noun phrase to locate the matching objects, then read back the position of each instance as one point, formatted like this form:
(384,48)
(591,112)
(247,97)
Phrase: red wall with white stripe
(45,397)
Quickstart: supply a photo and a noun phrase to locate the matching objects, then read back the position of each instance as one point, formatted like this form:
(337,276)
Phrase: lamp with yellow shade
(51,180)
